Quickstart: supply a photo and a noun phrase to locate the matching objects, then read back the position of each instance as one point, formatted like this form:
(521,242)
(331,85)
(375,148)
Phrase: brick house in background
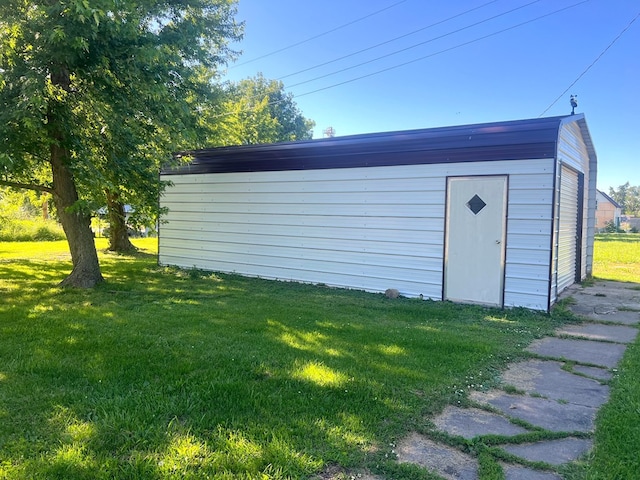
(607,210)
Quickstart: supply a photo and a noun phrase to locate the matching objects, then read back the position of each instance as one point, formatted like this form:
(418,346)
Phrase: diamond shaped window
(476,204)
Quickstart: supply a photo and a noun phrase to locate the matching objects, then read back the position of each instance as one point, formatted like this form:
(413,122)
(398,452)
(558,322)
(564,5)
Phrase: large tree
(96,93)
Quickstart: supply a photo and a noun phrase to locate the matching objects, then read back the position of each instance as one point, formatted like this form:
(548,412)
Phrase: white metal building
(499,214)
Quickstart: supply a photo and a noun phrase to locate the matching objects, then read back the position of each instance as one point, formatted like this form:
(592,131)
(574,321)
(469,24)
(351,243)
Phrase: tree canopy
(628,197)
(256,110)
(95,94)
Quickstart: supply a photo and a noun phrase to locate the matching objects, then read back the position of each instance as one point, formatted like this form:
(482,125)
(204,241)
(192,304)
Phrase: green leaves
(257,110)
(136,73)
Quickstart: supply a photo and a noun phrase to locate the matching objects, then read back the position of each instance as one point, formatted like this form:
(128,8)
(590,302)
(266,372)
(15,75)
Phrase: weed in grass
(588,282)
(513,390)
(489,468)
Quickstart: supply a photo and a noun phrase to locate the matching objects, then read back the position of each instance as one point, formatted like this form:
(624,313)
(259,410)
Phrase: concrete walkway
(559,391)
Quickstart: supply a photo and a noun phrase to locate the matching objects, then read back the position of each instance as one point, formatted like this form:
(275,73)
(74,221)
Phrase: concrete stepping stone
(583,351)
(547,378)
(446,461)
(600,332)
(616,293)
(554,452)
(618,316)
(541,412)
(595,372)
(516,472)
(473,422)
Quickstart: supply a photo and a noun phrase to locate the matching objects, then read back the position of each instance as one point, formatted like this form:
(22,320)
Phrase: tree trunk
(118,235)
(76,225)
(75,222)
(45,208)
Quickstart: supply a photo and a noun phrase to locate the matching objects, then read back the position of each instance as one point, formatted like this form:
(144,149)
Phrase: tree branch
(27,186)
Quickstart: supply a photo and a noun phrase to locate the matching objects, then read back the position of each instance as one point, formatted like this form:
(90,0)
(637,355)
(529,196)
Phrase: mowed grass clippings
(168,373)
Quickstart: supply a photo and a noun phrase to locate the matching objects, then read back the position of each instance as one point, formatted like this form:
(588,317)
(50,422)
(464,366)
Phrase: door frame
(445,242)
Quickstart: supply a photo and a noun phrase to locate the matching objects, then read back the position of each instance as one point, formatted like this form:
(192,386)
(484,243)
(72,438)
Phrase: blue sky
(451,74)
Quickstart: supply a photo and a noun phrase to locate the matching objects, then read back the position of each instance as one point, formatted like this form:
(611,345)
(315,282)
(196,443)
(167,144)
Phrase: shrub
(17,230)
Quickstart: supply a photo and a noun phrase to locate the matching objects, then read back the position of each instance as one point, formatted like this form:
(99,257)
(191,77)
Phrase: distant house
(607,210)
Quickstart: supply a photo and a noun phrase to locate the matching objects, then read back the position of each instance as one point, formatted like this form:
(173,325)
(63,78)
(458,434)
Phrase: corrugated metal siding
(572,151)
(371,228)
(568,215)
(366,228)
(530,217)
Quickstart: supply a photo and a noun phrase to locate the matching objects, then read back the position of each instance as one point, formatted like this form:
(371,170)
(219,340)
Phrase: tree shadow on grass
(163,373)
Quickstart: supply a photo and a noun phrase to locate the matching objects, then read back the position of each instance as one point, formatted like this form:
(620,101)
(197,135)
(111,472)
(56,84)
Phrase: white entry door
(475,239)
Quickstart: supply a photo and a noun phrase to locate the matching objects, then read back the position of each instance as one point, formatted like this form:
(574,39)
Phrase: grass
(162,373)
(617,438)
(617,257)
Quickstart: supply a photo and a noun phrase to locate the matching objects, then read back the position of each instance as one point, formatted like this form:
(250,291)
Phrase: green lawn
(617,257)
(617,439)
(161,373)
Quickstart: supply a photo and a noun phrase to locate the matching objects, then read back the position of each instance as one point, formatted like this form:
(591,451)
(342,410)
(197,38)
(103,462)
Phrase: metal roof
(510,140)
(609,199)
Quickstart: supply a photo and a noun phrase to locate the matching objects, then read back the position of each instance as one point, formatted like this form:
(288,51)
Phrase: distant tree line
(628,197)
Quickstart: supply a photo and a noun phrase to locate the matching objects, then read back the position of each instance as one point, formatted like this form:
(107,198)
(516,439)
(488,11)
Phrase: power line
(288,47)
(386,42)
(377,72)
(415,45)
(392,40)
(591,65)
(442,51)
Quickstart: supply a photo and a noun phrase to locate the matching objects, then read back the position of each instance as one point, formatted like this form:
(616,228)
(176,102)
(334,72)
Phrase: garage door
(567,228)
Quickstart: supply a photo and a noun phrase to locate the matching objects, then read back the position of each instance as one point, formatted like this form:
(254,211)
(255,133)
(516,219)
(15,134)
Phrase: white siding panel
(534,181)
(519,271)
(527,256)
(366,228)
(529,238)
(232,185)
(307,198)
(343,232)
(530,241)
(529,211)
(225,221)
(533,301)
(242,243)
(301,208)
(530,227)
(520,286)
